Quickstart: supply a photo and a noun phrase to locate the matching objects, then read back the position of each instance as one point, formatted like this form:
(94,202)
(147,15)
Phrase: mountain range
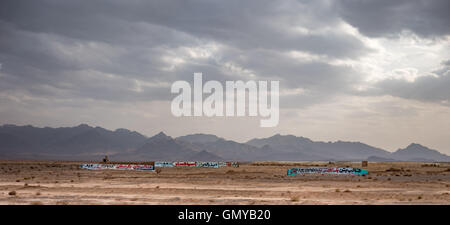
(84,142)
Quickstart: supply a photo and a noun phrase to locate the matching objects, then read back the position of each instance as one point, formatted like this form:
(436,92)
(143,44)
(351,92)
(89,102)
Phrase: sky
(377,71)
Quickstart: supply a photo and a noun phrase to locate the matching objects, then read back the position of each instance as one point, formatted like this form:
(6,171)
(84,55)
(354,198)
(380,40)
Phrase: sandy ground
(46,182)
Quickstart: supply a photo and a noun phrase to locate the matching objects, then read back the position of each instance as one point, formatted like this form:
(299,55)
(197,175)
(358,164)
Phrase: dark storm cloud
(132,50)
(378,18)
(296,73)
(446,62)
(425,88)
(249,24)
(428,88)
(102,49)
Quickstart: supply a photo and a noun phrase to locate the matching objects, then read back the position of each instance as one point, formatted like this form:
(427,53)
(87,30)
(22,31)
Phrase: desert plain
(65,183)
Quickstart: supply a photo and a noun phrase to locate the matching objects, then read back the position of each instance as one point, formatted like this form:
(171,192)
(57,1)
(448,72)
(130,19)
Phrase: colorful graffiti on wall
(184,164)
(326,170)
(158,164)
(228,164)
(197,164)
(117,167)
(163,164)
(207,164)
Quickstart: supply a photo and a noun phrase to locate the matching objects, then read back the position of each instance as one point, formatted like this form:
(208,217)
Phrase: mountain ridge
(84,142)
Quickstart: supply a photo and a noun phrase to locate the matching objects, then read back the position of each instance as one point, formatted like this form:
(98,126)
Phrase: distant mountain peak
(290,137)
(418,152)
(199,138)
(205,156)
(415,146)
(161,136)
(83,125)
(122,130)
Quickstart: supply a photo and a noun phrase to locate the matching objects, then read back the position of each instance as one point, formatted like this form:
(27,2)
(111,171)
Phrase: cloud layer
(89,59)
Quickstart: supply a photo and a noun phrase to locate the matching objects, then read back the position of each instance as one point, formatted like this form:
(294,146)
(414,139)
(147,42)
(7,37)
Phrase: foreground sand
(46,182)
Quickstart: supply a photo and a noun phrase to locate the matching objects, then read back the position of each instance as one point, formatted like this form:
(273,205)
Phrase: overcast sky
(371,71)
